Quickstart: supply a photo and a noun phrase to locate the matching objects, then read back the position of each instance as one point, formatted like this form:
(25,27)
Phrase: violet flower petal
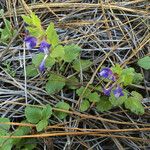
(118,92)
(112,77)
(105,72)
(44,47)
(30,42)
(107,91)
(42,66)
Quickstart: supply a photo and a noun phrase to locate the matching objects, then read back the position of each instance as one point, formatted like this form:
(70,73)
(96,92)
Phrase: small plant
(144,62)
(6,33)
(7,68)
(116,95)
(53,55)
(8,144)
(39,116)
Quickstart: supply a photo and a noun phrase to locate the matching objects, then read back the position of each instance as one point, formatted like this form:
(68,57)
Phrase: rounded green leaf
(138,77)
(104,104)
(137,95)
(86,93)
(33,114)
(4,126)
(37,59)
(71,52)
(84,105)
(72,83)
(144,62)
(94,97)
(58,52)
(55,83)
(41,125)
(127,76)
(46,112)
(31,71)
(81,64)
(134,105)
(63,106)
(20,131)
(49,62)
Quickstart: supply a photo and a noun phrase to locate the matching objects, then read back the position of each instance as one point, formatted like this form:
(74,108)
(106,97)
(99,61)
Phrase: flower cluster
(107,73)
(44,47)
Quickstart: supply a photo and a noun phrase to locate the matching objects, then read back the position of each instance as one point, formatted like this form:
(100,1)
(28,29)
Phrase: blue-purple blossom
(30,42)
(42,66)
(112,77)
(107,91)
(107,73)
(118,92)
(44,47)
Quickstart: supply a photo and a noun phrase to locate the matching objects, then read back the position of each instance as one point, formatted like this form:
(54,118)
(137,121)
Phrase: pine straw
(109,32)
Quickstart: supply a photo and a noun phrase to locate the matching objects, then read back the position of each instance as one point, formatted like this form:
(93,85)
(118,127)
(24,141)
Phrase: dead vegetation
(109,32)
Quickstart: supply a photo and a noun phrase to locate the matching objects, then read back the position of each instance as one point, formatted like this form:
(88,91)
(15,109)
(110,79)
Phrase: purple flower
(107,91)
(44,47)
(118,92)
(107,73)
(30,42)
(112,77)
(42,66)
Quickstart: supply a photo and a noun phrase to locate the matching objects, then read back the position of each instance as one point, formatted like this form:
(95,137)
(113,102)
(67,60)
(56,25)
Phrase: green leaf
(3,140)
(84,105)
(4,126)
(127,76)
(37,59)
(144,62)
(71,52)
(27,19)
(104,104)
(5,144)
(26,144)
(20,131)
(117,101)
(34,25)
(137,95)
(35,20)
(63,106)
(31,71)
(81,64)
(36,32)
(46,112)
(94,97)
(41,125)
(7,32)
(137,78)
(72,83)
(49,62)
(33,114)
(58,52)
(55,83)
(85,94)
(134,105)
(52,36)
(117,69)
